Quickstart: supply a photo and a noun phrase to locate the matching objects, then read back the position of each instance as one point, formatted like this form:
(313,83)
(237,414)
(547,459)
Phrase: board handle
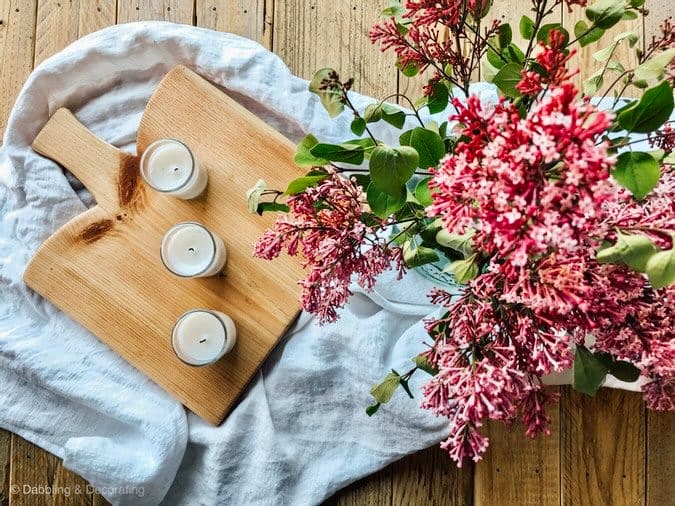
(93,161)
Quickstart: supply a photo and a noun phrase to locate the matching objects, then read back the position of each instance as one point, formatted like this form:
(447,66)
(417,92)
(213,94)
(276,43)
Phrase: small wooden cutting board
(103,267)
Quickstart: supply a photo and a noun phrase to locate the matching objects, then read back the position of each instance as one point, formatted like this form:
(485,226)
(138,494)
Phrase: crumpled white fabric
(300,432)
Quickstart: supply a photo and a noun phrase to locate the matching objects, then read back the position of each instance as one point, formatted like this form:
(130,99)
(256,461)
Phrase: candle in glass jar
(190,250)
(170,167)
(201,336)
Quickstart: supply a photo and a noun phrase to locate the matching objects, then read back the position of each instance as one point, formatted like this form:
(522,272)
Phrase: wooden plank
(431,478)
(249,18)
(660,458)
(17,33)
(176,11)
(5,455)
(520,470)
(39,478)
(375,490)
(95,15)
(602,448)
(312,35)
(57,26)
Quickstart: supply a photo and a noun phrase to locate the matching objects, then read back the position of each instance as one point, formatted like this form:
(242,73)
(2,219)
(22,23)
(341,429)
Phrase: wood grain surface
(593,450)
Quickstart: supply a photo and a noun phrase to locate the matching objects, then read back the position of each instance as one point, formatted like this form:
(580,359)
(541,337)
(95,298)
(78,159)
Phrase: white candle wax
(170,167)
(201,337)
(190,250)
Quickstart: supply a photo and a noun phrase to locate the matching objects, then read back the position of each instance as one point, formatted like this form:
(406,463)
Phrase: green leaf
(504,35)
(589,371)
(271,206)
(303,157)
(586,36)
(661,269)
(460,243)
(423,193)
(384,111)
(526,27)
(544,32)
(638,172)
(394,10)
(632,38)
(385,390)
(347,153)
(629,16)
(384,204)
(331,99)
(464,270)
(253,195)
(415,256)
(650,112)
(593,83)
(624,371)
(406,387)
(371,410)
(655,67)
(408,70)
(390,168)
(438,100)
(507,78)
(632,250)
(373,113)
(422,363)
(495,60)
(636,3)
(358,126)
(300,184)
(606,13)
(605,53)
(428,144)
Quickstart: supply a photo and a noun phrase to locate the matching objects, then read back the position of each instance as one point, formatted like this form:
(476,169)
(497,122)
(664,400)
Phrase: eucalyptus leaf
(391,168)
(661,269)
(638,172)
(428,144)
(331,99)
(589,371)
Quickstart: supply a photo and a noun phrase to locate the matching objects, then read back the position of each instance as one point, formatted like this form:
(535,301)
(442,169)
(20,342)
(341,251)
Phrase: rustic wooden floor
(604,451)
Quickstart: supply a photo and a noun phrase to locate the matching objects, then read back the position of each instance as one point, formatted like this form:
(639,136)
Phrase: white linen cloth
(300,432)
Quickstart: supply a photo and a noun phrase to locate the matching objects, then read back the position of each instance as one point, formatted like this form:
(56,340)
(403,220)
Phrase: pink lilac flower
(552,59)
(324,225)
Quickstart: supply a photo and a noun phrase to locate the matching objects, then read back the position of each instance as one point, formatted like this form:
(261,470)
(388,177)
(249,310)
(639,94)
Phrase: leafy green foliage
(606,13)
(428,144)
(660,269)
(590,371)
(331,99)
(464,270)
(461,243)
(303,156)
(638,172)
(391,168)
(587,35)
(507,78)
(271,206)
(631,250)
(358,126)
(655,67)
(300,184)
(347,153)
(423,364)
(423,193)
(384,111)
(384,204)
(415,255)
(384,391)
(650,112)
(438,100)
(526,27)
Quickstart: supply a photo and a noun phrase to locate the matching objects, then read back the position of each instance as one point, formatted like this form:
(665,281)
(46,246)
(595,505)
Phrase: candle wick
(191,250)
(176,169)
(203,341)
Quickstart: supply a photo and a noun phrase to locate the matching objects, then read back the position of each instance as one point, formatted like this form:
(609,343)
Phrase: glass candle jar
(201,336)
(190,250)
(170,167)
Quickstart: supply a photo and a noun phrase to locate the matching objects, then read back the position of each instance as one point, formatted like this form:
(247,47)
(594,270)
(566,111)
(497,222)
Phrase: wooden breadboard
(103,267)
